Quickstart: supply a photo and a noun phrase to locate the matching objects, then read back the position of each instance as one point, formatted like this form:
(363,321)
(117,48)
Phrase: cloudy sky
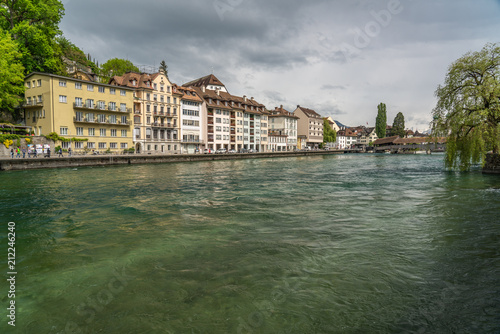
(338,57)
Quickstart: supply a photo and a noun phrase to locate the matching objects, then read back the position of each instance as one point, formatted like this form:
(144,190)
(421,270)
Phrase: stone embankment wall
(108,160)
(492,165)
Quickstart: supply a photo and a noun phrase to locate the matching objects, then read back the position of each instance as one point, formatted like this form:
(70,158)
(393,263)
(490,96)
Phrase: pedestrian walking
(60,153)
(24,152)
(35,153)
(69,151)
(48,152)
(29,152)
(18,153)
(12,153)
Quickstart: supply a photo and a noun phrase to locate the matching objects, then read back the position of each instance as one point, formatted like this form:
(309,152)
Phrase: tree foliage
(116,66)
(72,52)
(468,108)
(381,121)
(34,26)
(398,126)
(164,67)
(11,73)
(329,134)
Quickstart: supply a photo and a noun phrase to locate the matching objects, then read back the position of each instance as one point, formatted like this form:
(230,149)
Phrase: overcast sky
(338,57)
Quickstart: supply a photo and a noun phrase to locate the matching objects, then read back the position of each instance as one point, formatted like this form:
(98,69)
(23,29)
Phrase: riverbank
(109,160)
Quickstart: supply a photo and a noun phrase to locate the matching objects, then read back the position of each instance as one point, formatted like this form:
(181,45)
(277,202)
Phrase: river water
(330,244)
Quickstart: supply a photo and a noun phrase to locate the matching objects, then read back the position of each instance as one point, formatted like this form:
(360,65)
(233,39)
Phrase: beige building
(283,122)
(156,111)
(310,124)
(80,109)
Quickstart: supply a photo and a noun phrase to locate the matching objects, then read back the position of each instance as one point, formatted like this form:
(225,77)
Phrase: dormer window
(134,82)
(148,84)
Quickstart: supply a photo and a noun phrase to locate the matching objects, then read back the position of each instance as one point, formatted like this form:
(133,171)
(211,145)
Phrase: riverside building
(310,125)
(156,111)
(283,125)
(192,120)
(75,108)
(232,122)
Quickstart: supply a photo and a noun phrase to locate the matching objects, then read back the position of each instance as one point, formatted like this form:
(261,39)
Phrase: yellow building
(79,109)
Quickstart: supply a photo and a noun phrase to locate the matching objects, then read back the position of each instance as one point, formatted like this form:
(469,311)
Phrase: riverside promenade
(7,164)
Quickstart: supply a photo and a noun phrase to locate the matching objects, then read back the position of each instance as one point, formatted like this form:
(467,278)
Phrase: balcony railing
(192,141)
(33,103)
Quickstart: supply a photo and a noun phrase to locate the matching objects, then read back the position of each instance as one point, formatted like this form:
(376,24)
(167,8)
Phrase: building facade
(232,122)
(156,111)
(97,115)
(310,124)
(284,123)
(192,120)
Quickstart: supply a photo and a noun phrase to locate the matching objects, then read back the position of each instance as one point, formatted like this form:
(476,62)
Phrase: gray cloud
(281,51)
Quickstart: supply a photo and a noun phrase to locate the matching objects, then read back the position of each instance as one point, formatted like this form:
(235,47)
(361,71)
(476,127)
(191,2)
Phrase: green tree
(398,127)
(116,66)
(329,134)
(11,73)
(468,108)
(72,52)
(34,24)
(164,67)
(381,121)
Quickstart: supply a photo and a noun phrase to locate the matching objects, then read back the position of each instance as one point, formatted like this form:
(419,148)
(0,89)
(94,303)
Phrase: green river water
(330,244)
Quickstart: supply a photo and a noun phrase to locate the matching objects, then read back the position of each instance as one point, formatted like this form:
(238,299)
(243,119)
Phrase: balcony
(138,112)
(31,104)
(158,125)
(192,141)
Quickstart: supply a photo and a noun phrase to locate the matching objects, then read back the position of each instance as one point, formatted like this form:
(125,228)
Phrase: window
(112,119)
(123,145)
(102,146)
(91,132)
(102,132)
(28,84)
(101,105)
(148,120)
(112,106)
(63,131)
(113,145)
(62,98)
(175,111)
(78,145)
(102,89)
(65,145)
(39,82)
(79,131)
(124,133)
(148,108)
(89,103)
(62,83)
(90,88)
(124,120)
(155,86)
(112,91)
(123,92)
(79,116)
(90,117)
(90,145)
(148,96)
(218,120)
(78,85)
(168,99)
(123,107)
(175,100)
(101,118)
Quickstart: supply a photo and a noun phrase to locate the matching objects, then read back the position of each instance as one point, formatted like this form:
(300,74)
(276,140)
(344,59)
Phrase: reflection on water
(354,243)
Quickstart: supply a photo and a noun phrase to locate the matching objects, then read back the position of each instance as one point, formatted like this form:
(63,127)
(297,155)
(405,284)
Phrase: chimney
(245,98)
(298,105)
(251,98)
(281,107)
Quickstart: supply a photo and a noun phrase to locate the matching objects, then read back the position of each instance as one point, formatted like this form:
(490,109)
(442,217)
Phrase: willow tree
(468,108)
